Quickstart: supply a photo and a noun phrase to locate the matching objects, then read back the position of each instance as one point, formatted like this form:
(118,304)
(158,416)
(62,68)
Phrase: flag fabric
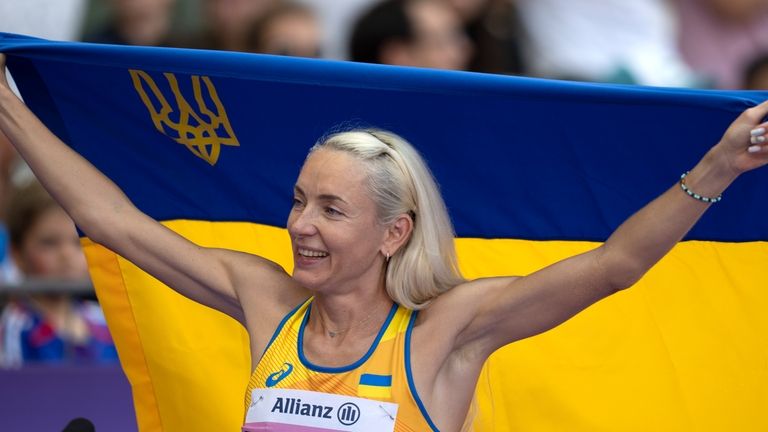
(533,171)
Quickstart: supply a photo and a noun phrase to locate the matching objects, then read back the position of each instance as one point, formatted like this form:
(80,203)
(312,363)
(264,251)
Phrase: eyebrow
(323,197)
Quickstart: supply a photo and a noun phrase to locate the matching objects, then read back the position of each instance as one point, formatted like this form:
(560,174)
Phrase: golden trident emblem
(203,138)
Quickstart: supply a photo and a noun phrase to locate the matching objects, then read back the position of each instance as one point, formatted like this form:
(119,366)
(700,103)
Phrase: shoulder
(457,307)
(446,324)
(265,291)
(445,366)
(260,279)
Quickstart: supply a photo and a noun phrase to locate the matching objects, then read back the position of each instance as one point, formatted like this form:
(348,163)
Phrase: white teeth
(311,253)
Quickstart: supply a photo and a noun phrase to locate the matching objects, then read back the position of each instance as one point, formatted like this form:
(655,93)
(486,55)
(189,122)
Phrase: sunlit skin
(333,215)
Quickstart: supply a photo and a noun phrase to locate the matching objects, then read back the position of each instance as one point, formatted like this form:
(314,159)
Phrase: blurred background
(53,337)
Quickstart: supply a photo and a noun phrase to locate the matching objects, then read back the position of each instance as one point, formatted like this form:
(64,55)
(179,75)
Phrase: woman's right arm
(107,216)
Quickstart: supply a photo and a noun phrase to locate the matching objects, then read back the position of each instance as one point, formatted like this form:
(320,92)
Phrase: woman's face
(333,224)
(51,248)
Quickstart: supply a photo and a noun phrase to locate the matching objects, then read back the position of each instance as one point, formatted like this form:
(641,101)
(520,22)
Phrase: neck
(338,316)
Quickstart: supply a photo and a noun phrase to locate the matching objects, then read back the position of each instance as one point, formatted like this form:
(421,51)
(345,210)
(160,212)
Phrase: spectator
(49,328)
(289,28)
(756,74)
(494,28)
(604,40)
(719,38)
(423,33)
(137,22)
(228,24)
(337,22)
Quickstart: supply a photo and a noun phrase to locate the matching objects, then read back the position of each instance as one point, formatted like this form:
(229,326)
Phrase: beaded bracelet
(694,195)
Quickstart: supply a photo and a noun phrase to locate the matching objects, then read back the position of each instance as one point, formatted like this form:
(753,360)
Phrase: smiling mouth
(308,253)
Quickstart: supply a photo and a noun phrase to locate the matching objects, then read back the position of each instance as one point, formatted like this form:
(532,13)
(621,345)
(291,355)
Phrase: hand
(744,145)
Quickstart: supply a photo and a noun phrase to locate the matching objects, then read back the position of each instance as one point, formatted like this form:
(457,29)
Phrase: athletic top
(382,374)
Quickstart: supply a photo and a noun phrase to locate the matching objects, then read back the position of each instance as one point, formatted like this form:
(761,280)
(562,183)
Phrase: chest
(378,379)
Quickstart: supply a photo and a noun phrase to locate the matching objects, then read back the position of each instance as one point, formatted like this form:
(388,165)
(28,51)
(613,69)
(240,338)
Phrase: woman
(368,228)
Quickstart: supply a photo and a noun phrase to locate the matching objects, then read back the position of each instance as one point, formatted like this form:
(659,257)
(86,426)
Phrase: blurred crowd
(684,43)
(721,44)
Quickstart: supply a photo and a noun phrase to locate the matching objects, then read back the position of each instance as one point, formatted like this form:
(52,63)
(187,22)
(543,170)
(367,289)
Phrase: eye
(330,211)
(297,203)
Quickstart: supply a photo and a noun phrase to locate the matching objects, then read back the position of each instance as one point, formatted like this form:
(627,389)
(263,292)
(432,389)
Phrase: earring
(387,254)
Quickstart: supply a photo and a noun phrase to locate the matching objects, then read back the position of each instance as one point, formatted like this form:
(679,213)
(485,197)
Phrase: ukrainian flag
(533,171)
(375,386)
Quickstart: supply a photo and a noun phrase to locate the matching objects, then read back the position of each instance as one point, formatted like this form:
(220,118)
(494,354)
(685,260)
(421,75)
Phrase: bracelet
(694,195)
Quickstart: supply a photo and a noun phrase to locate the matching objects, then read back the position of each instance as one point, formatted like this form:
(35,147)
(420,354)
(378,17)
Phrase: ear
(397,234)
(396,52)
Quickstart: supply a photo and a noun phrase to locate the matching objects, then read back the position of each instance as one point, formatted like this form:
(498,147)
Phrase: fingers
(757,136)
(758,139)
(757,113)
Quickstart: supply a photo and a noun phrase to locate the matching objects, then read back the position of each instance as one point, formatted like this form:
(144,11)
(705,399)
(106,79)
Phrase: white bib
(287,410)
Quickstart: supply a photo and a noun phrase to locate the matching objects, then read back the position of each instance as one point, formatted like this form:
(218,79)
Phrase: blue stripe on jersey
(376,380)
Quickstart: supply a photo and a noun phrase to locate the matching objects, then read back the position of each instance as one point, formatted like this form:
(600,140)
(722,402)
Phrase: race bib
(286,410)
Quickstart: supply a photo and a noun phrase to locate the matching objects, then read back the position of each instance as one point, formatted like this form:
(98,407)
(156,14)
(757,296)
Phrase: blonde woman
(375,307)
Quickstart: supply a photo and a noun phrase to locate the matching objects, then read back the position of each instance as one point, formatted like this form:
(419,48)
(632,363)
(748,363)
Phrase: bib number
(287,410)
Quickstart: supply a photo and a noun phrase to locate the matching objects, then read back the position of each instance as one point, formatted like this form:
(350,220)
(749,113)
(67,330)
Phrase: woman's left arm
(502,310)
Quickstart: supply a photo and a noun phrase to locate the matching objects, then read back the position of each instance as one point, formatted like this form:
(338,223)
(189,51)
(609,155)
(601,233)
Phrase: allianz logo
(347,414)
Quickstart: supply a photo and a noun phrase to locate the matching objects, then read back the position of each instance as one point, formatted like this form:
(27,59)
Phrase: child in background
(50,327)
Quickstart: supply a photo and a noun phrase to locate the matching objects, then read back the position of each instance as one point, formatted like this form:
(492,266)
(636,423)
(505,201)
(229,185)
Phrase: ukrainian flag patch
(375,386)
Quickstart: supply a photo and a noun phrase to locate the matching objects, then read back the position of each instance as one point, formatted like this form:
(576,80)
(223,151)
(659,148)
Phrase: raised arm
(106,215)
(494,312)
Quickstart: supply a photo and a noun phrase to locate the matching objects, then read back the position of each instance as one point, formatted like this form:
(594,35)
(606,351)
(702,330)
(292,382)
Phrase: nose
(301,222)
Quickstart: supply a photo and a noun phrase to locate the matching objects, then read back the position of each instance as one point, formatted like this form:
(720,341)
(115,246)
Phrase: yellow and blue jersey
(383,373)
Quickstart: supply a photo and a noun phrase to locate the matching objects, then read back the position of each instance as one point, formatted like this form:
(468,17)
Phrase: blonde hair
(401,183)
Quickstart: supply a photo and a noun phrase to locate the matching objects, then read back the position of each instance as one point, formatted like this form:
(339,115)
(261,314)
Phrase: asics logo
(278,376)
